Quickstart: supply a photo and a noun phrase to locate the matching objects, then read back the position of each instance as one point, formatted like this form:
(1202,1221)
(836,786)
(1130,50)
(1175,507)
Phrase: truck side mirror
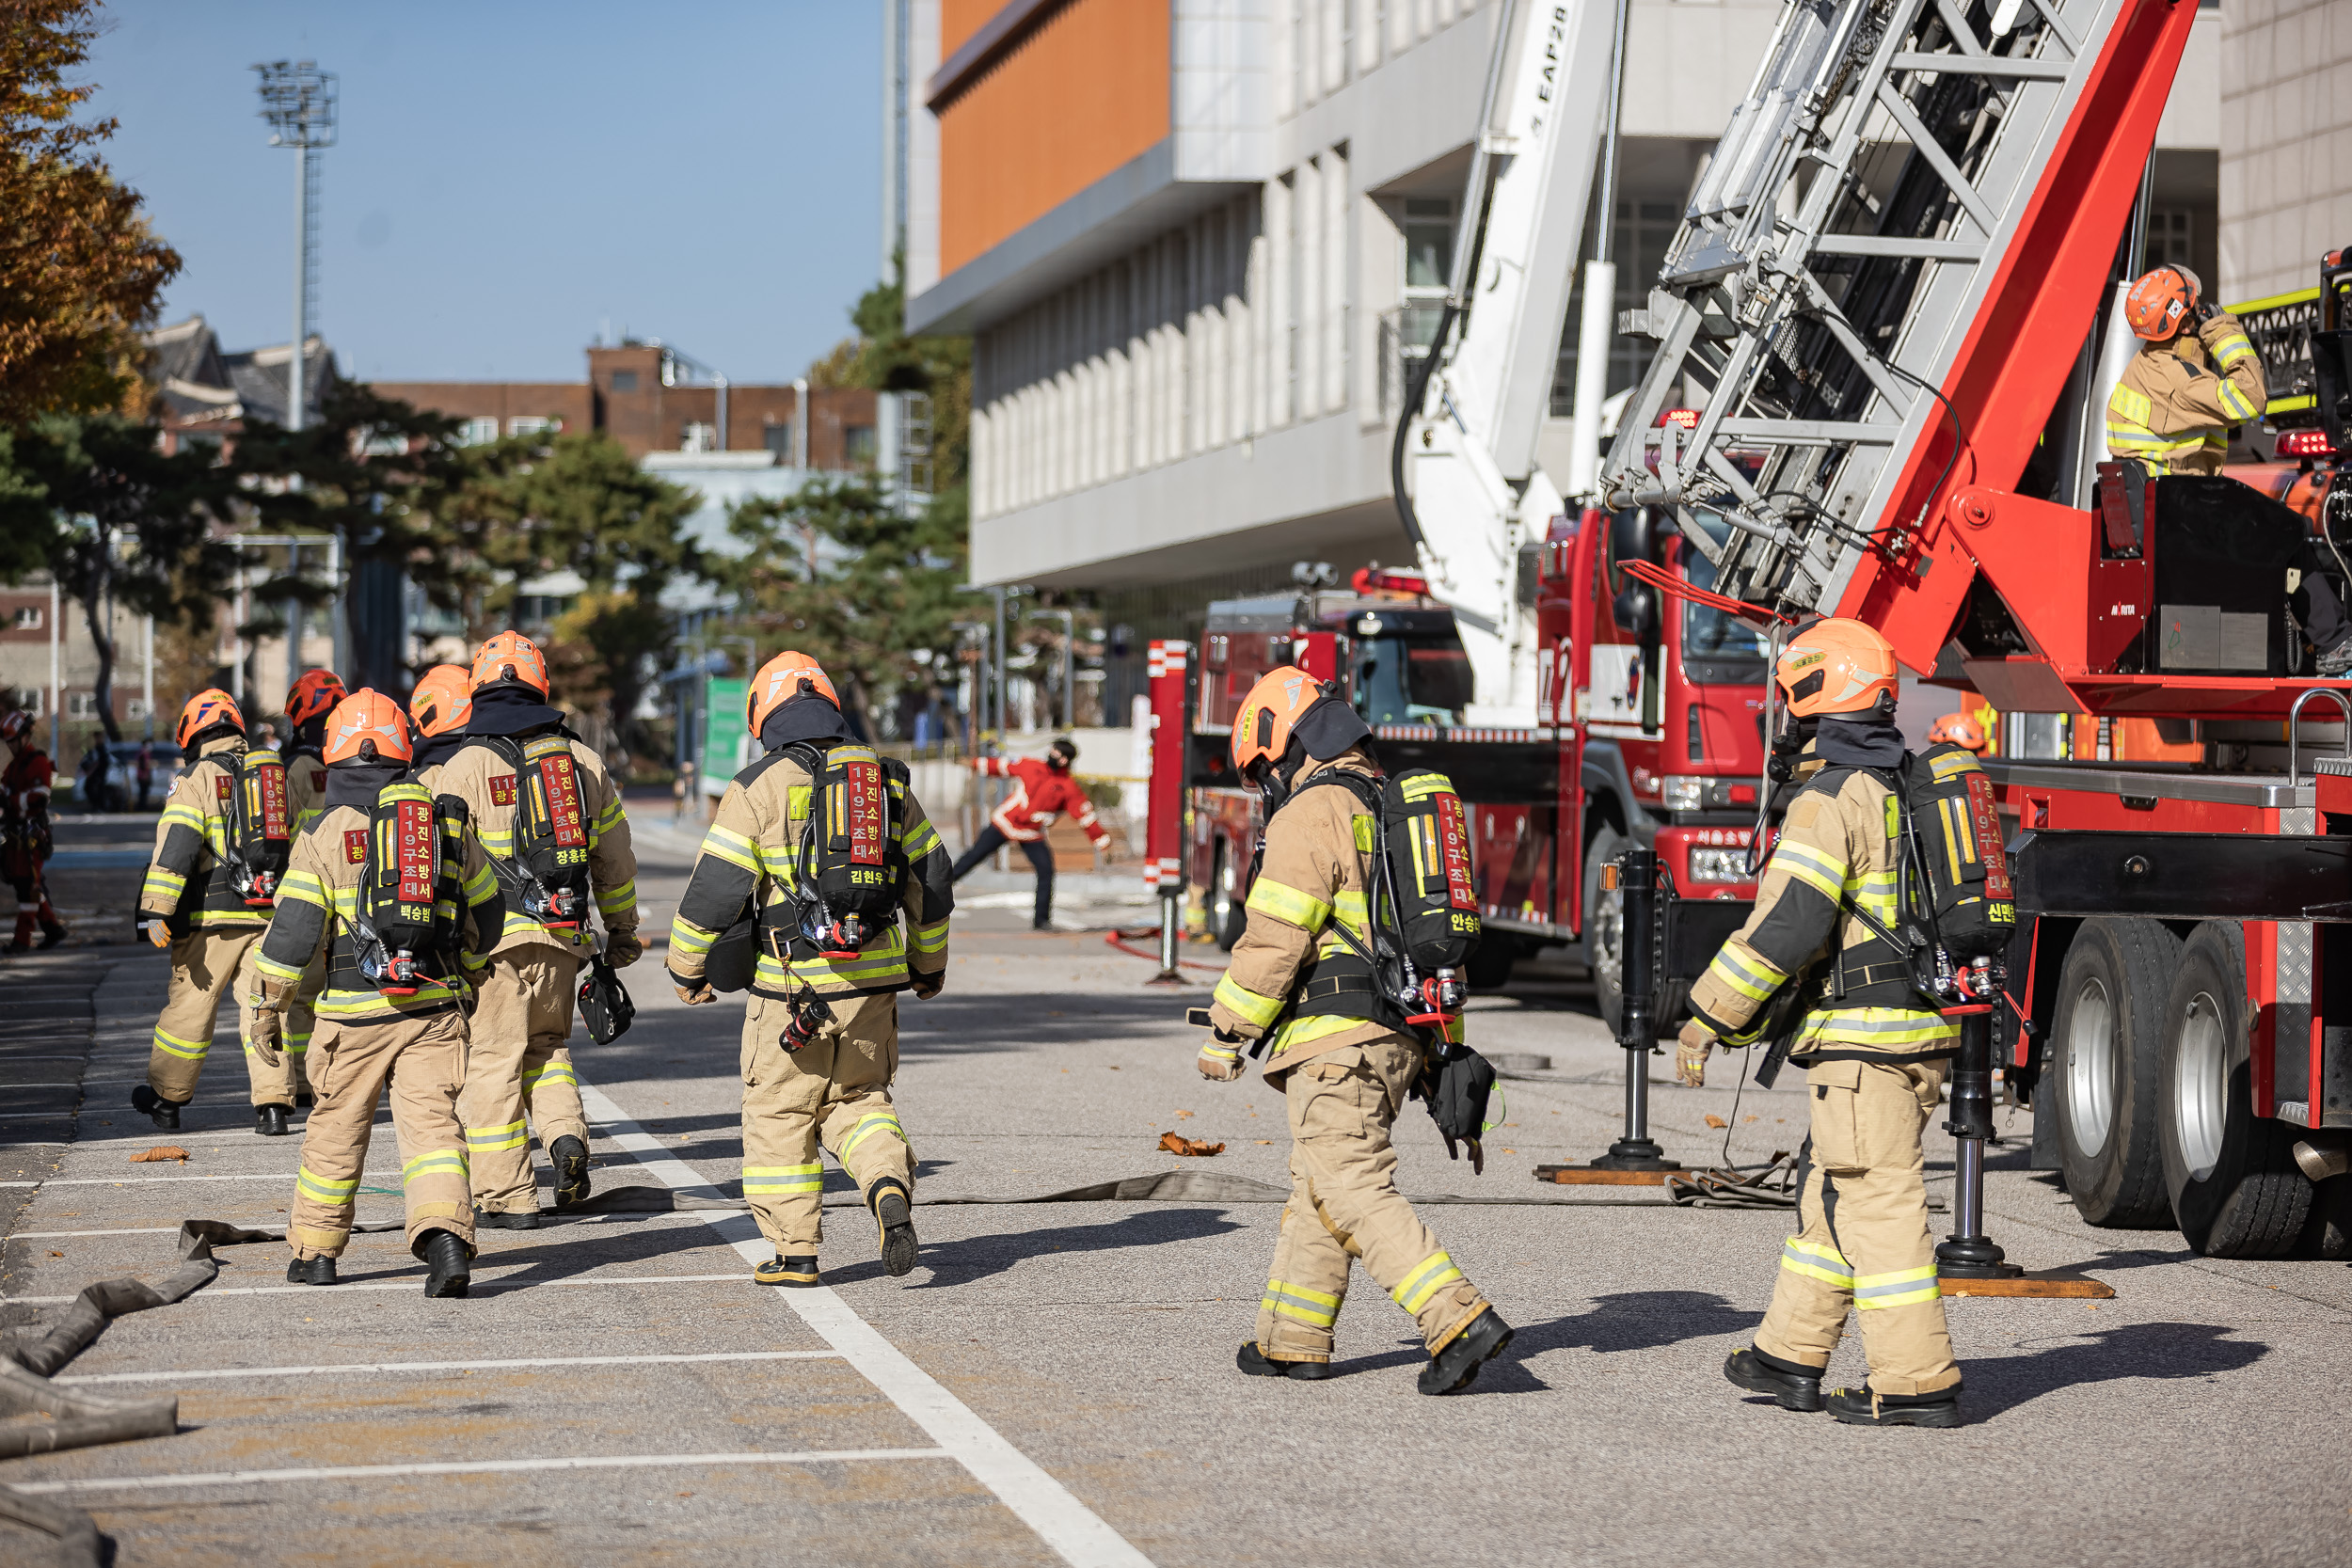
(1636,610)
(1633,535)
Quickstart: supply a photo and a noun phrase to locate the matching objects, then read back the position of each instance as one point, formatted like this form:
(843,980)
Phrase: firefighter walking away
(816,852)
(391,1019)
(1873,1049)
(1308,979)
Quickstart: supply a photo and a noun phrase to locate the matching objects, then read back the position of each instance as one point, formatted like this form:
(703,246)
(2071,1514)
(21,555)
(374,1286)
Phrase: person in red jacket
(1043,790)
(25,776)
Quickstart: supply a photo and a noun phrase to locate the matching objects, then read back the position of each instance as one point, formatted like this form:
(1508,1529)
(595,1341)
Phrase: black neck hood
(433,750)
(804,718)
(358,784)
(1858,743)
(508,709)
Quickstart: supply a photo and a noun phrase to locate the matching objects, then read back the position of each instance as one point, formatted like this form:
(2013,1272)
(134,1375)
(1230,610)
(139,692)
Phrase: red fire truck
(1650,734)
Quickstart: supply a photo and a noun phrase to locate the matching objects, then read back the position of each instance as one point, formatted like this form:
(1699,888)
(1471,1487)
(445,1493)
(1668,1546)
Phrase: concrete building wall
(2285,102)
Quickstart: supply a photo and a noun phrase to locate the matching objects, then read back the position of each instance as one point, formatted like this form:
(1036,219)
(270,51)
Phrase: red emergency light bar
(1370,579)
(2305,443)
(1687,418)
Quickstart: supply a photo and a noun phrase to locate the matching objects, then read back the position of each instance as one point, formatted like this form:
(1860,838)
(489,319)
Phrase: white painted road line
(133,1180)
(410,1282)
(477,1467)
(345,1368)
(1072,1530)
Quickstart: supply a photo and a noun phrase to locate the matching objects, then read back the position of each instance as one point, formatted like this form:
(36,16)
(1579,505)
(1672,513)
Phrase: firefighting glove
(621,949)
(157,932)
(928,986)
(692,992)
(263,1037)
(1691,1049)
(1220,1059)
(1458,1088)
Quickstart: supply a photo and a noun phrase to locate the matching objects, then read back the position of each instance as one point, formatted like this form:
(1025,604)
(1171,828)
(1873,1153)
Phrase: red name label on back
(1984,818)
(501,789)
(225,787)
(1453,848)
(862,798)
(269,787)
(412,848)
(356,846)
(557,787)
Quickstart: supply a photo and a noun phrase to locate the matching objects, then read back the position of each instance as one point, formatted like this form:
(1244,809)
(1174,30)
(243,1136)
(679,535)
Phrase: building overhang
(1114,215)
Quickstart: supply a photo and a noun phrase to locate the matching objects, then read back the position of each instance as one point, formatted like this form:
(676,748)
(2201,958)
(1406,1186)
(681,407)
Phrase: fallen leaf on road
(1184,1113)
(1176,1143)
(53,1253)
(1747,1118)
(1717,1121)
(1270,1140)
(160,1152)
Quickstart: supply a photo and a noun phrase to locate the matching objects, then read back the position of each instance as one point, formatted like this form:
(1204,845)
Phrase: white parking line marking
(273,1222)
(133,1180)
(410,1283)
(475,1467)
(458,1366)
(1072,1530)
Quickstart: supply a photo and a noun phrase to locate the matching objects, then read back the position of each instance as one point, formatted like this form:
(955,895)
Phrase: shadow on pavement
(2170,1351)
(974,1257)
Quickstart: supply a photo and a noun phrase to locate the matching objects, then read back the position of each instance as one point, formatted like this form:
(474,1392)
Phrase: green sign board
(724,736)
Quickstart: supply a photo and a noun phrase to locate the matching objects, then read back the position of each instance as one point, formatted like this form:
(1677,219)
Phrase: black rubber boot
(1859,1407)
(449,1263)
(571,1170)
(163,1112)
(270,1121)
(798,1270)
(492,1219)
(1456,1366)
(1255,1362)
(1792,1386)
(304,1098)
(895,1217)
(310,1271)
(52,933)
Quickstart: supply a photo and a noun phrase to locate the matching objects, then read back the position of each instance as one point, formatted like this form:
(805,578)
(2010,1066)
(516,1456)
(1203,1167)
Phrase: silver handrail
(2295,716)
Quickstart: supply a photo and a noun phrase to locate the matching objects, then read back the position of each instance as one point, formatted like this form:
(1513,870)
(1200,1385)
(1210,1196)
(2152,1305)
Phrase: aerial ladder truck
(1887,293)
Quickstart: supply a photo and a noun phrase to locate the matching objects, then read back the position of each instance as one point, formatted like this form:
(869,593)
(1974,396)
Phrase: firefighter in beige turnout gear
(308,704)
(371,1044)
(519,1074)
(832,1092)
(192,909)
(1874,1054)
(2195,375)
(1344,1069)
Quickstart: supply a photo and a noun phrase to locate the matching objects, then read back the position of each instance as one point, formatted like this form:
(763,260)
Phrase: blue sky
(511,175)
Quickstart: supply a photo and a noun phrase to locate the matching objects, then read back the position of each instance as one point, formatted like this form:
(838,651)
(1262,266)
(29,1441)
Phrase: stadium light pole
(298,101)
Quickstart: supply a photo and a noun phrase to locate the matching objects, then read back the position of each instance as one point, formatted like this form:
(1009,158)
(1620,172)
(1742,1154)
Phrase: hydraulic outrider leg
(1637,1023)
(1968,1253)
(1171,926)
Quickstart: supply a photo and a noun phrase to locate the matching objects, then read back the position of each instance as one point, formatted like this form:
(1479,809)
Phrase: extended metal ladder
(1881,283)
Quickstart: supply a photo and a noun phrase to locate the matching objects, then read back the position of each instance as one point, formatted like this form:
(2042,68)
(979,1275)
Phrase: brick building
(650,398)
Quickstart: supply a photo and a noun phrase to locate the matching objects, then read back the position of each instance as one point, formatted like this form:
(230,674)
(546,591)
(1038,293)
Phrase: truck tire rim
(2200,1086)
(1608,922)
(2090,1067)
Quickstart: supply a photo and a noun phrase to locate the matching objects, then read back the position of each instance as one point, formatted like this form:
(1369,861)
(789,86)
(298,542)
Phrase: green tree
(840,573)
(531,507)
(79,270)
(118,523)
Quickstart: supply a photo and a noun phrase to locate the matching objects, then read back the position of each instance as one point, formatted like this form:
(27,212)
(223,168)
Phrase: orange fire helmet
(443,700)
(1837,666)
(1262,729)
(315,693)
(781,679)
(207,709)
(2159,302)
(510,657)
(368,726)
(1959,729)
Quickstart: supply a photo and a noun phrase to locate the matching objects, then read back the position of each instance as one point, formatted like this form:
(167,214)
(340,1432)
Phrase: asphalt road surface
(1054,1381)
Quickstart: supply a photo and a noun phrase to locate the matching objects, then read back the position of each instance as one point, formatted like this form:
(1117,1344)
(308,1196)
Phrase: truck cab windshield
(1411,680)
(1717,649)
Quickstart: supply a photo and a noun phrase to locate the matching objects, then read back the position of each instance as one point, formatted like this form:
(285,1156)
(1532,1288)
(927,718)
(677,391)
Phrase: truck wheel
(1604,923)
(2102,1062)
(1226,899)
(2234,1183)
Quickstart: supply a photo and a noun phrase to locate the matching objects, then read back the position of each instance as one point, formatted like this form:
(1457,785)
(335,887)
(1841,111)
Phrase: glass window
(478,432)
(1411,680)
(530,424)
(778,439)
(857,445)
(1717,649)
(29,617)
(1428,242)
(624,381)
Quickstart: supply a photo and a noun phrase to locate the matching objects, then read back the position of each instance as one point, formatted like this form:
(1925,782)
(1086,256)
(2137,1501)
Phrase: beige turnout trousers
(204,963)
(423,1062)
(1344,1205)
(1865,1244)
(518,1070)
(834,1091)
